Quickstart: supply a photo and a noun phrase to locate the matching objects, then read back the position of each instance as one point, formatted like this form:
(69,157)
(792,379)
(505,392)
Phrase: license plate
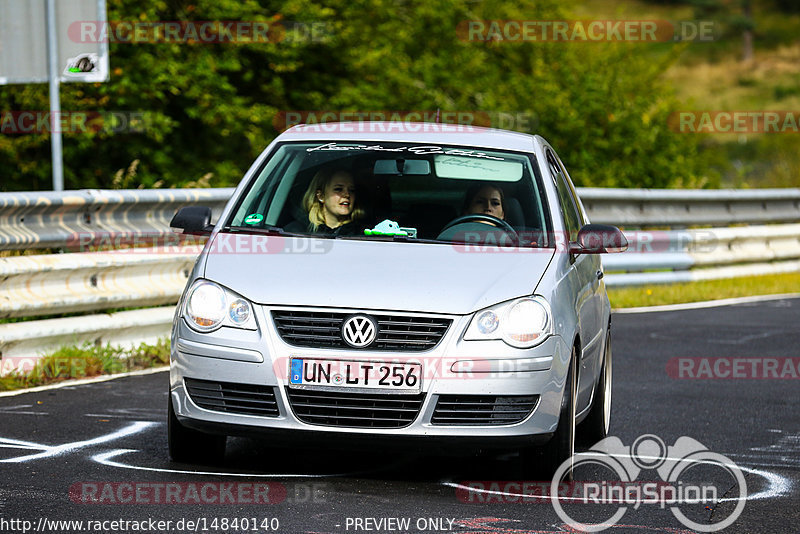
(309,372)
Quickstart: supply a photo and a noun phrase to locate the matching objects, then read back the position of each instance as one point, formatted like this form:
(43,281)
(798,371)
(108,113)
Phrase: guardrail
(47,284)
(644,208)
(66,283)
(63,220)
(51,220)
(657,257)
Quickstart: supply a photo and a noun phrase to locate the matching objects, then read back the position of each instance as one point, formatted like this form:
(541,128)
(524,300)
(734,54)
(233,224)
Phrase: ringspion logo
(691,475)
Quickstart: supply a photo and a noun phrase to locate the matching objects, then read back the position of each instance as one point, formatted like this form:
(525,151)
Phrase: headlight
(487,322)
(521,323)
(209,306)
(239,311)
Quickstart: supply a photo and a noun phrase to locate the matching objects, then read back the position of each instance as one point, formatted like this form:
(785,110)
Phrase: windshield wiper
(390,238)
(265,230)
(409,239)
(512,243)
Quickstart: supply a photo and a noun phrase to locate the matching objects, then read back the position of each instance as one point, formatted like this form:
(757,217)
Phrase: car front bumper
(486,368)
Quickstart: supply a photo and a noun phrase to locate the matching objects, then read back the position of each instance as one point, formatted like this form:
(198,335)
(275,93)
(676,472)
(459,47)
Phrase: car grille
(247,399)
(358,410)
(323,330)
(482,409)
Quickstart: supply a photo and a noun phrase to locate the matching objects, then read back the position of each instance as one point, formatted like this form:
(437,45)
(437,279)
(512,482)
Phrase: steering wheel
(482,217)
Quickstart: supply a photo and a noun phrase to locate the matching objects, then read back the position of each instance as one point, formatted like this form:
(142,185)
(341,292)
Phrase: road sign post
(55,97)
(36,47)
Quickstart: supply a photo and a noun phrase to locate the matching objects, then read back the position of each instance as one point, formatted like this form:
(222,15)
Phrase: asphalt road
(107,441)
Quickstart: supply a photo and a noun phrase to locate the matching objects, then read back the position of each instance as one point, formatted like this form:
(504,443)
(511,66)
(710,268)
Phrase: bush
(88,360)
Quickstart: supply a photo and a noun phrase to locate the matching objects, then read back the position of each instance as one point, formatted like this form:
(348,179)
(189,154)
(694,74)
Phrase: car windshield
(397,191)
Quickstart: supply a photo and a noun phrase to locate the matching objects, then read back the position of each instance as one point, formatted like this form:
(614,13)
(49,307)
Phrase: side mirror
(193,220)
(599,239)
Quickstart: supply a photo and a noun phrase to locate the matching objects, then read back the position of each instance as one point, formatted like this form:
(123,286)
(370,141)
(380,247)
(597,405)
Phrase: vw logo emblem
(358,331)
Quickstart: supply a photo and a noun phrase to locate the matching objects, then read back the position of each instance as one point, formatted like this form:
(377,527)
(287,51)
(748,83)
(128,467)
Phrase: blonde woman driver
(330,202)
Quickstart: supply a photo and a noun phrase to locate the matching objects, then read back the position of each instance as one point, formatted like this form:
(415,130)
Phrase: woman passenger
(330,202)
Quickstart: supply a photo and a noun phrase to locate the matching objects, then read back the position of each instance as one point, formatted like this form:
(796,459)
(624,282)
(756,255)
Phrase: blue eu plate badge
(296,373)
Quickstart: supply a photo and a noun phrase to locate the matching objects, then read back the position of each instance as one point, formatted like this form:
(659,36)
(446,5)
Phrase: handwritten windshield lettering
(419,150)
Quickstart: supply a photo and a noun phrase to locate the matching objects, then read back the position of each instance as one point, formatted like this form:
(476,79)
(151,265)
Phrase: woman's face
(338,198)
(487,201)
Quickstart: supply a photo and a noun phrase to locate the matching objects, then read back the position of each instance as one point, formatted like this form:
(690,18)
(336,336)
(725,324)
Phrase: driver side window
(572,218)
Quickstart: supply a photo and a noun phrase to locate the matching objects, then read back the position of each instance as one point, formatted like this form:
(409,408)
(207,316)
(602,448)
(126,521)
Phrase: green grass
(88,360)
(711,76)
(655,295)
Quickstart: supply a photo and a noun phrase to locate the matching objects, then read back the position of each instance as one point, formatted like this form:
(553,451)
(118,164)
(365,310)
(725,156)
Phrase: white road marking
(9,443)
(12,446)
(707,303)
(139,414)
(783,454)
(51,451)
(83,381)
(779,486)
(106,459)
(19,409)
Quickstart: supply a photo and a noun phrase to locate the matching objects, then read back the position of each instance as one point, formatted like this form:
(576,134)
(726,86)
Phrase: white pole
(55,100)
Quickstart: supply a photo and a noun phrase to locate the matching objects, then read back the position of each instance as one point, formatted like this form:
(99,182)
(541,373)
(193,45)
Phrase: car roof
(412,132)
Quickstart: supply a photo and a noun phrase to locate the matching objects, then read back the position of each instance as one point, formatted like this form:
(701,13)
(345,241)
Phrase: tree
(211,108)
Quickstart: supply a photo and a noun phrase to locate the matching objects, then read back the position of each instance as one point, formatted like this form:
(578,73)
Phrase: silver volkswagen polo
(394,283)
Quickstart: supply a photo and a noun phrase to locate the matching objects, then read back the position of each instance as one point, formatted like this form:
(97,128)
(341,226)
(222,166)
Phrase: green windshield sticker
(253,218)
(386,227)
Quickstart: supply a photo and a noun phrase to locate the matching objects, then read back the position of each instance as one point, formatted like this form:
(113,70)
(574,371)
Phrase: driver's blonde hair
(312,205)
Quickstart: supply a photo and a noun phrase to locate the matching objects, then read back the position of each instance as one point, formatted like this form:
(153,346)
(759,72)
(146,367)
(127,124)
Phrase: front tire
(595,426)
(187,445)
(544,462)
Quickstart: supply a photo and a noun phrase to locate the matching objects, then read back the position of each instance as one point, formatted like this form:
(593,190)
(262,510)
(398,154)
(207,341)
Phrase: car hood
(344,273)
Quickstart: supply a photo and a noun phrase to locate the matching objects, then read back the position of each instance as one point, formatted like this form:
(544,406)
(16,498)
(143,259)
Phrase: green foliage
(603,106)
(763,161)
(88,360)
(209,109)
(746,286)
